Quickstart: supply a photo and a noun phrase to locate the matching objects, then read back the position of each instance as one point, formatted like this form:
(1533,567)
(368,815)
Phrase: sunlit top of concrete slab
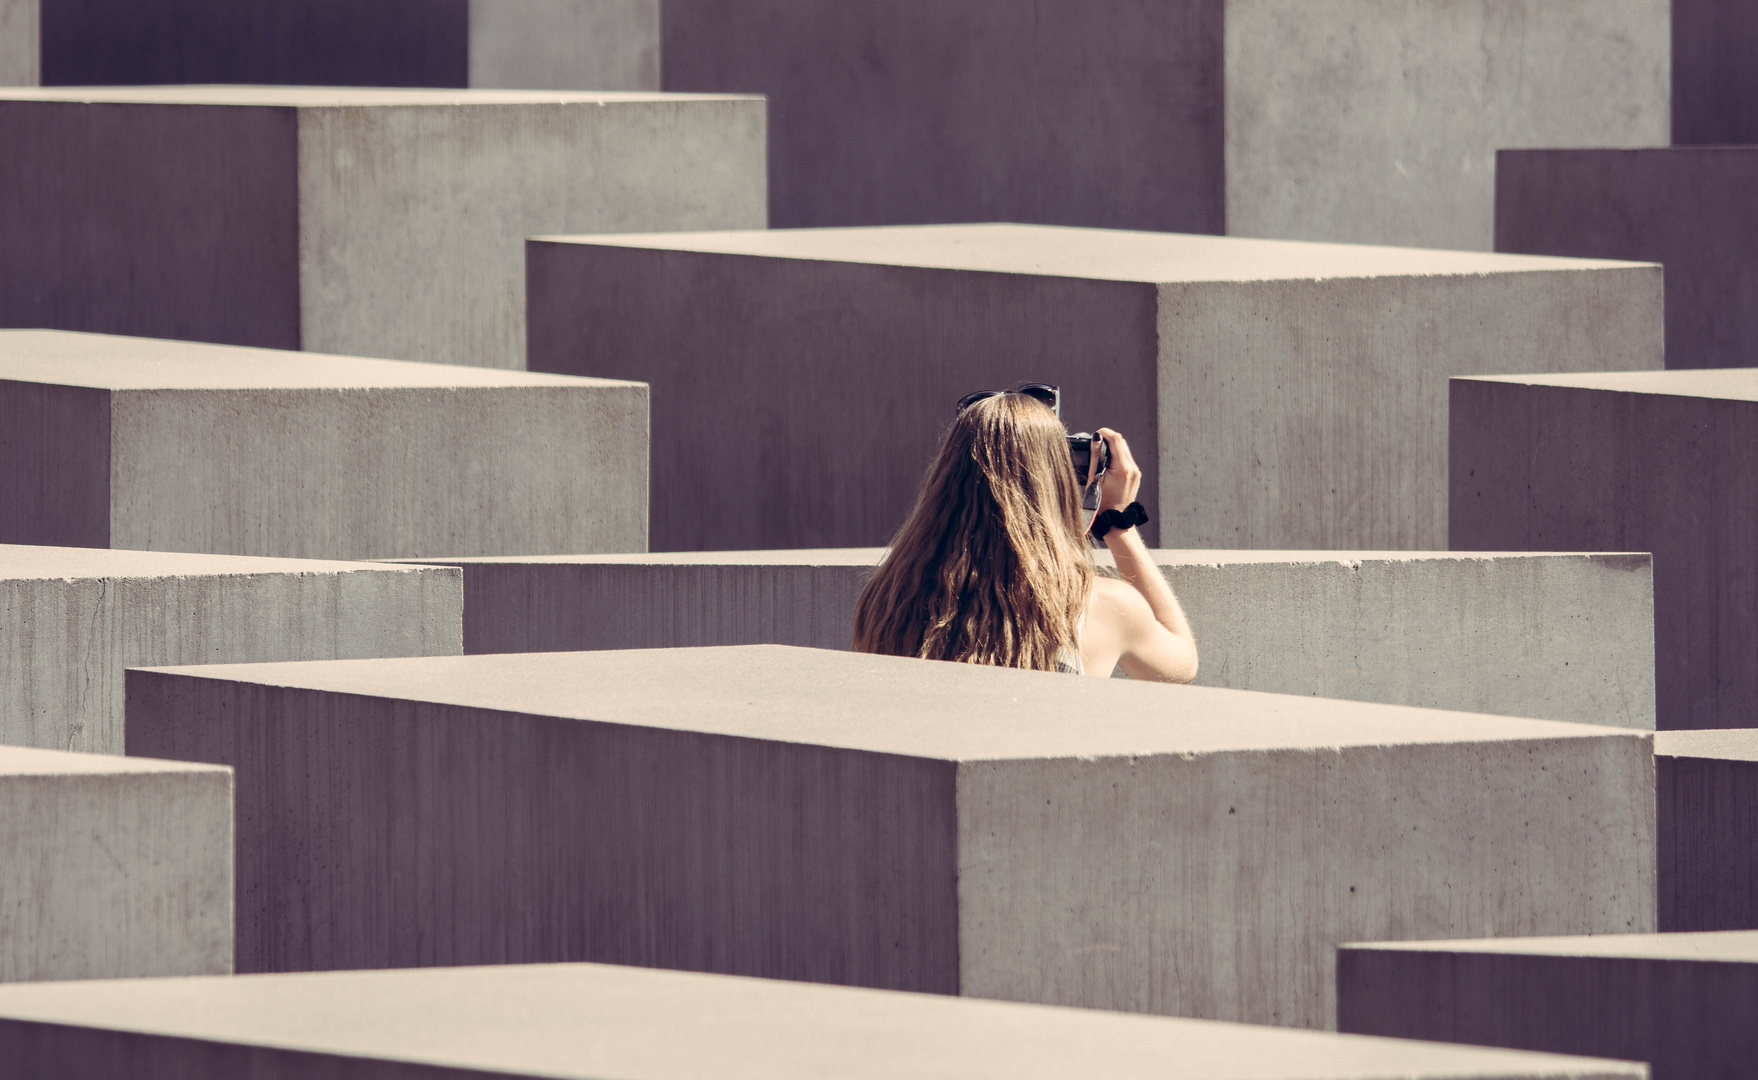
(31,562)
(886,704)
(330,97)
(1102,254)
(1724,744)
(112,362)
(26,761)
(1164,557)
(1731,946)
(588,1020)
(1730,384)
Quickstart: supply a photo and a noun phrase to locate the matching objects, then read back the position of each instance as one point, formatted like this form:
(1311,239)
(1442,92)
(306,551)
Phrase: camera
(1080,448)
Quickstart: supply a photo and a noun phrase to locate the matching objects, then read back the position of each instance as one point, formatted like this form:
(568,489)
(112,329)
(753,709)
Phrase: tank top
(1068,660)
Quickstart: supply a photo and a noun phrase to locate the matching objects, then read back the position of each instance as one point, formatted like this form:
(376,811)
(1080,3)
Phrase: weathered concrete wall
(951,828)
(1665,462)
(1715,84)
(1378,121)
(586,1020)
(176,446)
(360,221)
(19,36)
(1691,208)
(71,619)
(1682,1002)
(1278,395)
(1556,637)
(565,44)
(1706,787)
(112,868)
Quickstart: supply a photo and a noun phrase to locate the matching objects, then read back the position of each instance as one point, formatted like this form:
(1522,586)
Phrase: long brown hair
(991,566)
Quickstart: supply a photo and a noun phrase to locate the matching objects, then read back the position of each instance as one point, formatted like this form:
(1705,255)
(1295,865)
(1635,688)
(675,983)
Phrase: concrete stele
(904,824)
(1550,636)
(177,446)
(1570,462)
(1681,1002)
(113,867)
(586,1021)
(1706,788)
(1279,395)
(71,619)
(372,222)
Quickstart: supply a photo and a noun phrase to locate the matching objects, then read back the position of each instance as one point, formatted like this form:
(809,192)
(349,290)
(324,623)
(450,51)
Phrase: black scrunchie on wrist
(1127,518)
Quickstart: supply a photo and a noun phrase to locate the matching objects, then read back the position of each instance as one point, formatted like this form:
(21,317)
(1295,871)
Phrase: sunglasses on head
(1044,392)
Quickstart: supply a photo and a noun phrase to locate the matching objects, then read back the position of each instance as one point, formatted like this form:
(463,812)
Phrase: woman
(993,565)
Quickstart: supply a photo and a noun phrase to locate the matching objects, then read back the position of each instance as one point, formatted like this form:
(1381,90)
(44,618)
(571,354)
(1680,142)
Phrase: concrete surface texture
(584,1021)
(1706,787)
(1378,121)
(1556,637)
(18,43)
(1715,85)
(1278,395)
(112,867)
(71,619)
(174,446)
(1695,209)
(946,827)
(542,44)
(363,221)
(1665,462)
(1682,1002)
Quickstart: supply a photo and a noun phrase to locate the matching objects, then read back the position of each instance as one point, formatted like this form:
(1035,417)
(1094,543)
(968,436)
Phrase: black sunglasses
(1044,392)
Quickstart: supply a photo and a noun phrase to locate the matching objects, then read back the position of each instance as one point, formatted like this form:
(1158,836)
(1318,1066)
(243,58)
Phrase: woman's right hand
(1123,478)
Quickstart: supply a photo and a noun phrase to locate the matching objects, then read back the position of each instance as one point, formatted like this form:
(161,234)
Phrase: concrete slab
(1557,637)
(362,221)
(561,44)
(176,446)
(113,867)
(902,824)
(1665,462)
(1682,1002)
(71,619)
(583,1021)
(1706,784)
(1372,121)
(1694,209)
(19,59)
(1715,86)
(802,379)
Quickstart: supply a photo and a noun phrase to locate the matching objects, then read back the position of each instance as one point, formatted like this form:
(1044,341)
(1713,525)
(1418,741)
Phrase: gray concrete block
(1370,121)
(1665,462)
(545,44)
(1556,637)
(1715,85)
(1295,392)
(19,54)
(176,446)
(1682,1002)
(586,1021)
(902,824)
(112,867)
(1706,788)
(1695,209)
(71,619)
(361,221)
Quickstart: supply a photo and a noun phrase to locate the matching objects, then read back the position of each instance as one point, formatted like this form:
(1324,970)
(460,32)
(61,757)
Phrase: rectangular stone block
(586,1021)
(1695,209)
(176,446)
(71,619)
(1665,462)
(112,867)
(1367,121)
(369,222)
(19,59)
(1556,637)
(1278,395)
(895,823)
(560,44)
(1715,84)
(1706,787)
(1681,1002)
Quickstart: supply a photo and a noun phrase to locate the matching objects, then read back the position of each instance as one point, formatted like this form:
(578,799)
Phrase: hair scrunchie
(1127,518)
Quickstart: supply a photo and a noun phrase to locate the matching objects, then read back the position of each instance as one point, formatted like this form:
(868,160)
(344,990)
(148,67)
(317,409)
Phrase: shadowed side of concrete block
(1715,85)
(55,442)
(1706,788)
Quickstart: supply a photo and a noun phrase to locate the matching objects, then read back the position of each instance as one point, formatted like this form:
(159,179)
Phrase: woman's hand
(1122,479)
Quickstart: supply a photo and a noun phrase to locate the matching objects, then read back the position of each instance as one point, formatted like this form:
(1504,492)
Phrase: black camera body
(1080,448)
